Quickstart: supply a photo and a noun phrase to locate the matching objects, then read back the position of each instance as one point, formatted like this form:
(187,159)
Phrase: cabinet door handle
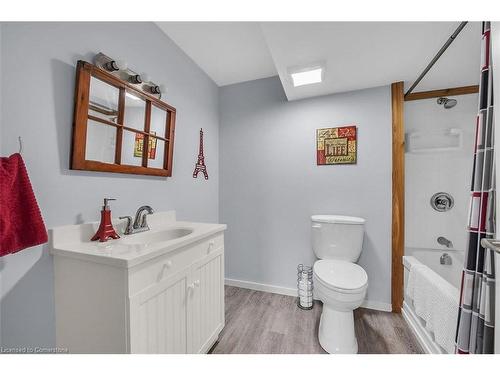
(197,283)
(167,265)
(211,245)
(190,287)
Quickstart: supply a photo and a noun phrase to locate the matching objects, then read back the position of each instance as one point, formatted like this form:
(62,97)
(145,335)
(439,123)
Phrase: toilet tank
(337,237)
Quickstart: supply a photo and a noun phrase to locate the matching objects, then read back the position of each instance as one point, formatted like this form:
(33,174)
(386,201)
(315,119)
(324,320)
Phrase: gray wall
(270,184)
(38,72)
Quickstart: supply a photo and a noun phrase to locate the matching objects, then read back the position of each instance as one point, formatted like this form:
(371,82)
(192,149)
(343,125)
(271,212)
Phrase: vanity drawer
(157,269)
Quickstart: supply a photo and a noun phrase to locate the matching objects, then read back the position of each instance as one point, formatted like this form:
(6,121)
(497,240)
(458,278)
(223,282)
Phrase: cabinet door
(206,304)
(159,316)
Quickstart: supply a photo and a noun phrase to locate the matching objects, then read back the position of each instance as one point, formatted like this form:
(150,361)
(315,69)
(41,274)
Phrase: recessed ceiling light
(307,77)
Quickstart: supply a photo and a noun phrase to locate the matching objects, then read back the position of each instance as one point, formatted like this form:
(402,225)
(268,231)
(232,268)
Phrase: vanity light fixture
(120,69)
(163,89)
(155,89)
(115,65)
(135,79)
(307,76)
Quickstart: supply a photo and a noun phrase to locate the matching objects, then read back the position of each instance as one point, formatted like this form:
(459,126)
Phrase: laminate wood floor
(259,322)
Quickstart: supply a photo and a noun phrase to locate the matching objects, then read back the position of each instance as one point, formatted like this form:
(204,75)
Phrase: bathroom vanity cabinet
(146,293)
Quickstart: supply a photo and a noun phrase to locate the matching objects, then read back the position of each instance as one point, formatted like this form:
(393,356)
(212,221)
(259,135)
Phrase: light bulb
(115,65)
(154,89)
(135,78)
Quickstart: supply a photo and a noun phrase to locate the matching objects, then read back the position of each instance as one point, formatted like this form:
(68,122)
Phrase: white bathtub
(449,274)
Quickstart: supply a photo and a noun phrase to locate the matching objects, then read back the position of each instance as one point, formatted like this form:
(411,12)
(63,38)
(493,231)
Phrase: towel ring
(20,144)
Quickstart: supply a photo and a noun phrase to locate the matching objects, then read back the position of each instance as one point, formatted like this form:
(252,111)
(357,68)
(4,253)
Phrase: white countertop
(74,241)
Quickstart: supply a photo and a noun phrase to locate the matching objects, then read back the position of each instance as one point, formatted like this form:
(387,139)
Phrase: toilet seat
(340,276)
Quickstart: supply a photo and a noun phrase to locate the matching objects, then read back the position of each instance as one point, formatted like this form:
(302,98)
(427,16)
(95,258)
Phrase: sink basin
(148,238)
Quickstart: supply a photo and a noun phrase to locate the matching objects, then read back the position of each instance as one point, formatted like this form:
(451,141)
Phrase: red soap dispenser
(106,229)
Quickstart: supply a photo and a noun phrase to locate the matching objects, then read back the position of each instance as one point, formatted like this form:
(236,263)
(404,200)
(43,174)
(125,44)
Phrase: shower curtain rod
(438,55)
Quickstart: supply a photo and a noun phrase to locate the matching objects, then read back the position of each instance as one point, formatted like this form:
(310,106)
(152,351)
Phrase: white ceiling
(356,55)
(229,52)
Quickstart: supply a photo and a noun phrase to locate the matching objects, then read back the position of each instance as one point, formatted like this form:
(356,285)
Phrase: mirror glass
(103,100)
(158,123)
(157,152)
(111,116)
(135,111)
(101,142)
(132,146)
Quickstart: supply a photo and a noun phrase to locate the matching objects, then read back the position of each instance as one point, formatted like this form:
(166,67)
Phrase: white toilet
(338,281)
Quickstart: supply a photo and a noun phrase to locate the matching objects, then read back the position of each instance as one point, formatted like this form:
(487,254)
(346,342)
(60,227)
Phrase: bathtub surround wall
(270,184)
(432,172)
(39,107)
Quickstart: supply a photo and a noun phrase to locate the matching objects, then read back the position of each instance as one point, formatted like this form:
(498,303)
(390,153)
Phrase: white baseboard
(373,305)
(376,305)
(262,287)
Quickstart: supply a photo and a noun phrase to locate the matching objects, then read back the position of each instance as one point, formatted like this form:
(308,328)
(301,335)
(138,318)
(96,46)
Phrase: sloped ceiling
(356,55)
(229,52)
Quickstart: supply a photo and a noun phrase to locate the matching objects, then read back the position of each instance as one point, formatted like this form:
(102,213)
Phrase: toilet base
(336,331)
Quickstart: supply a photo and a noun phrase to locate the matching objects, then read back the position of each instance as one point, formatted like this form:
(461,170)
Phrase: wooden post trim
(398,195)
(453,91)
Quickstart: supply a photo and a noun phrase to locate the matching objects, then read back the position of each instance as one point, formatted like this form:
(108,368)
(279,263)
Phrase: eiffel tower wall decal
(200,164)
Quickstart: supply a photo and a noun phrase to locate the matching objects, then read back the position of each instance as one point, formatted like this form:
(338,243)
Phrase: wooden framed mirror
(119,128)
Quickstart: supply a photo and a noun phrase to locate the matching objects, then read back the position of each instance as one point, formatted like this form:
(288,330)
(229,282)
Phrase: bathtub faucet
(444,241)
(445,259)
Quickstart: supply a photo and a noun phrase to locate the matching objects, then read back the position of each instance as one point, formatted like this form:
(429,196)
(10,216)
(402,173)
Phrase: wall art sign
(139,143)
(200,164)
(336,145)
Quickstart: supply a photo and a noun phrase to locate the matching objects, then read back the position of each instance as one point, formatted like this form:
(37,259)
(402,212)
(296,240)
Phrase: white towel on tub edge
(436,302)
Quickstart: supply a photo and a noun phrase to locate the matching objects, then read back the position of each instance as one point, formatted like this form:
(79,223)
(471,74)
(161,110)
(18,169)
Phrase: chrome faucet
(140,223)
(445,259)
(445,242)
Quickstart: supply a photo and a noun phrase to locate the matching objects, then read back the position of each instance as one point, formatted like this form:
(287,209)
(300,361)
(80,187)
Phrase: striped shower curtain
(475,328)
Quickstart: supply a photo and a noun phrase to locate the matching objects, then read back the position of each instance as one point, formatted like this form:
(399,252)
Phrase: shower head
(450,103)
(447,103)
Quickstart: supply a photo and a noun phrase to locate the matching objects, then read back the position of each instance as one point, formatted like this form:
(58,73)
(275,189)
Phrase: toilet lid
(340,274)
(338,219)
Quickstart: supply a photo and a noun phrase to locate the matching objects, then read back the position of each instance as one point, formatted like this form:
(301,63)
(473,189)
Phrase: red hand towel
(21,224)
